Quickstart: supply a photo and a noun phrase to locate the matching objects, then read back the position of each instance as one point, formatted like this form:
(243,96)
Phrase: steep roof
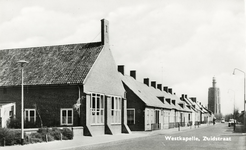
(143,92)
(60,64)
(178,101)
(159,93)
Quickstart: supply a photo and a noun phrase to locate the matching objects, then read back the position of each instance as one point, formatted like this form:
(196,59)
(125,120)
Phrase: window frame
(66,118)
(97,106)
(27,116)
(116,107)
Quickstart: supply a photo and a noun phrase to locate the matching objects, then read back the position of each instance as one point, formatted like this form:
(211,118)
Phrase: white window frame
(130,109)
(116,110)
(27,116)
(66,118)
(97,113)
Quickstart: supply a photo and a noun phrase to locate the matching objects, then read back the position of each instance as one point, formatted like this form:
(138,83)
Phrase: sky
(179,44)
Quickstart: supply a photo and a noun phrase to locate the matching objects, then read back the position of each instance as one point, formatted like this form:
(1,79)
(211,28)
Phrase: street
(214,137)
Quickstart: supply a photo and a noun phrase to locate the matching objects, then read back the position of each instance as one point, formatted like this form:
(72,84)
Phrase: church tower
(214,98)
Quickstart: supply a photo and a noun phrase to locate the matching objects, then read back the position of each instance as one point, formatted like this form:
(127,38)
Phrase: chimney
(159,86)
(174,102)
(133,73)
(168,100)
(104,32)
(153,84)
(121,69)
(185,96)
(170,90)
(165,88)
(146,81)
(193,99)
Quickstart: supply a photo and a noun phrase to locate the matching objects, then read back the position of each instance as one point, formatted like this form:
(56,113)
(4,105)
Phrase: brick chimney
(193,99)
(165,88)
(146,81)
(170,90)
(105,32)
(133,73)
(159,86)
(121,69)
(153,84)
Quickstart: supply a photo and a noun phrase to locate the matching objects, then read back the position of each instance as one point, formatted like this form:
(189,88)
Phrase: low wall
(77,131)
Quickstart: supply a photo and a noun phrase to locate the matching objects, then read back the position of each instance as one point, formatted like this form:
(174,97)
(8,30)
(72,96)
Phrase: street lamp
(234,125)
(244,102)
(22,62)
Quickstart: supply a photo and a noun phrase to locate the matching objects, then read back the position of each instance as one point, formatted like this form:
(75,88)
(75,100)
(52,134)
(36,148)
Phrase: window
(66,116)
(97,108)
(116,109)
(30,115)
(156,116)
(131,116)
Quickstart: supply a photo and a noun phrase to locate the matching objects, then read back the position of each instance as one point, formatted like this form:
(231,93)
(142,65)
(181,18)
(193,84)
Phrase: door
(147,120)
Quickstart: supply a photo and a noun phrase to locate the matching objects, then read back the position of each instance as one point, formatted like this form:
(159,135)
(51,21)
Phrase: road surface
(213,137)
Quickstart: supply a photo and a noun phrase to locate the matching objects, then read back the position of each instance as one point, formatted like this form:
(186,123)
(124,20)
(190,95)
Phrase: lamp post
(22,62)
(234,125)
(244,117)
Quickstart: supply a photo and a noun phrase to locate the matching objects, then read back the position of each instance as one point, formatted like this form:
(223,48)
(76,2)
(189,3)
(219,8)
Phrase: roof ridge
(51,45)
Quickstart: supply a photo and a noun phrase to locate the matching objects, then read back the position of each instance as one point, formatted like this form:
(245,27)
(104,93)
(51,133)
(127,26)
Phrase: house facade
(67,85)
(149,107)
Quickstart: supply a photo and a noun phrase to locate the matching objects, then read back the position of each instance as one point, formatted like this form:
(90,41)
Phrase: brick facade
(47,100)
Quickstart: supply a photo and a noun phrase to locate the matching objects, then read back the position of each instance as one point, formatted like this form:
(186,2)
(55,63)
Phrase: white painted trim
(27,118)
(66,116)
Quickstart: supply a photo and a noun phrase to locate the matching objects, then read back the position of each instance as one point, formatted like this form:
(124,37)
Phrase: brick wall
(133,101)
(47,99)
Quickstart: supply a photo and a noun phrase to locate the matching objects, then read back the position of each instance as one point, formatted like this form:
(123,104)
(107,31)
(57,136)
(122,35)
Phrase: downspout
(79,100)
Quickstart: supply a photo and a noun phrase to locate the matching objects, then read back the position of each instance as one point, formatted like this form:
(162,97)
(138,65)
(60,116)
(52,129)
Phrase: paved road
(217,137)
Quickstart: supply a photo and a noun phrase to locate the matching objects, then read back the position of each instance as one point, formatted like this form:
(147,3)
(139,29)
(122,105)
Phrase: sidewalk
(80,141)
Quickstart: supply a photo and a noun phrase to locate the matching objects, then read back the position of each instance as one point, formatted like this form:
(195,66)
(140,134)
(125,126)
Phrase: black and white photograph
(122,75)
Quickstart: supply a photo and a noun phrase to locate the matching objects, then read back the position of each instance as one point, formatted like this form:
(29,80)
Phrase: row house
(182,112)
(149,107)
(207,116)
(65,85)
(200,114)
(196,112)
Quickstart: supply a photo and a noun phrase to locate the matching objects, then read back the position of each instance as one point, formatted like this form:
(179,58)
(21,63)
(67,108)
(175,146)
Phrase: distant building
(214,98)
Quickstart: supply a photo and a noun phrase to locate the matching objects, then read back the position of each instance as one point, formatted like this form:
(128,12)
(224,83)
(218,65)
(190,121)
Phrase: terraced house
(149,107)
(65,85)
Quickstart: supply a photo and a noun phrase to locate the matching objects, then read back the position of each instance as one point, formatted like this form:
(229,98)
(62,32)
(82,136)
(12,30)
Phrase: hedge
(13,137)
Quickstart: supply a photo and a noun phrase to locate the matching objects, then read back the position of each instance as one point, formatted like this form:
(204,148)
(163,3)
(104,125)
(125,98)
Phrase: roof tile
(60,64)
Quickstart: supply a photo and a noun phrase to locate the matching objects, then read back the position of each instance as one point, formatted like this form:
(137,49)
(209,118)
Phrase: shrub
(35,138)
(13,123)
(3,134)
(67,133)
(11,137)
(46,134)
(56,133)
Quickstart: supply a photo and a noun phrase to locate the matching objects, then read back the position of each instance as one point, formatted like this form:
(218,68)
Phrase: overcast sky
(182,44)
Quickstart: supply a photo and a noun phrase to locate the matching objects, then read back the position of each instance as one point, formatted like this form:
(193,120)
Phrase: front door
(147,119)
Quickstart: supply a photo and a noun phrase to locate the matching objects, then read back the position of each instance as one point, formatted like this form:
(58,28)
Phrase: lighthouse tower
(214,98)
